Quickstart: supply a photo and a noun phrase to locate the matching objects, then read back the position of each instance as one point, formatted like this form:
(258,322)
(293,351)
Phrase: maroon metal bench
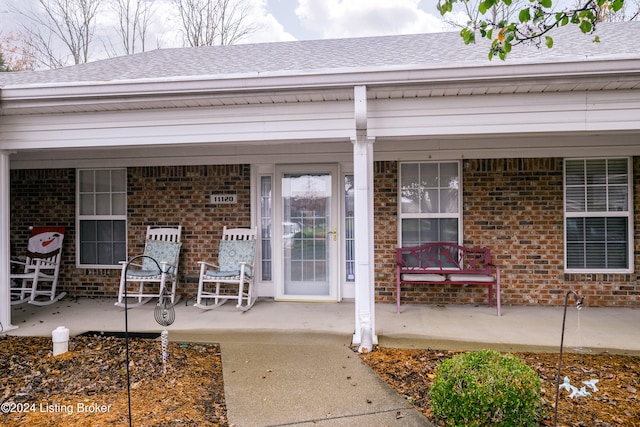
(446,263)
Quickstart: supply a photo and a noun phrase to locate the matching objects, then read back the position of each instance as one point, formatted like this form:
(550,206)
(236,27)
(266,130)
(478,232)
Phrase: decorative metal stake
(166,313)
(164,338)
(579,301)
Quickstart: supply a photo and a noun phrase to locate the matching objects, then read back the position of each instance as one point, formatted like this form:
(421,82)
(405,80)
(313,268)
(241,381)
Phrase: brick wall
(515,207)
(164,196)
(44,198)
(385,240)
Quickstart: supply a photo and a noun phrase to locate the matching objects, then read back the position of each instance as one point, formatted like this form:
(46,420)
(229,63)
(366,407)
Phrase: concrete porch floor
(463,327)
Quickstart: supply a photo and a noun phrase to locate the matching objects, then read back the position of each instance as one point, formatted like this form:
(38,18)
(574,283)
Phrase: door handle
(335,233)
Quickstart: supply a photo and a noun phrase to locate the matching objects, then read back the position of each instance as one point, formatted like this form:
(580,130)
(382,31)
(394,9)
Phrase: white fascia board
(370,76)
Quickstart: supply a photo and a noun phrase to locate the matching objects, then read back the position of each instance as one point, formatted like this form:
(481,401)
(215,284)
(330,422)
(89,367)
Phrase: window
(597,215)
(349,230)
(429,198)
(265,227)
(102,217)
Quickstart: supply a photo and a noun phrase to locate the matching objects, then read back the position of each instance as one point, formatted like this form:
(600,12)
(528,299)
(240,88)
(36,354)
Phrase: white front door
(307,240)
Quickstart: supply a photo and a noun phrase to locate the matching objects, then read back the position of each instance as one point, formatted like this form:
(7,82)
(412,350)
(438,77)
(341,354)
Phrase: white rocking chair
(40,267)
(235,268)
(159,266)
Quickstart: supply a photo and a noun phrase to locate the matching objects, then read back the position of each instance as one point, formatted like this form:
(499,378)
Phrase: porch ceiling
(324,151)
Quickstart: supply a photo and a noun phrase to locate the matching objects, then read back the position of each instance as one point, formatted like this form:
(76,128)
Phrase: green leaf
(617,5)
(445,6)
(468,36)
(596,39)
(586,26)
(549,42)
(546,3)
(525,15)
(485,5)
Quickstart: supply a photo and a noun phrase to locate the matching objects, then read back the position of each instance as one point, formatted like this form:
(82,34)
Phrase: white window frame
(95,217)
(458,215)
(599,214)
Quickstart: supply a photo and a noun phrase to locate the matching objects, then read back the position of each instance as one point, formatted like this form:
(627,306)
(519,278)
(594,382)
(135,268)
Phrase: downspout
(364,335)
(5,252)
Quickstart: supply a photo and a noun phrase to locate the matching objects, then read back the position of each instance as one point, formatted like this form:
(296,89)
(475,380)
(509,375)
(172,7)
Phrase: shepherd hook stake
(579,301)
(126,325)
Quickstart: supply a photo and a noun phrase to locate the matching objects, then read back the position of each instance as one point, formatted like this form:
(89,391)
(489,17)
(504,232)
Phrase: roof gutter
(333,78)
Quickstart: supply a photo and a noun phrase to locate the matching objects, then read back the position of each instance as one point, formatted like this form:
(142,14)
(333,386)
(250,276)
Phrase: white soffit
(269,88)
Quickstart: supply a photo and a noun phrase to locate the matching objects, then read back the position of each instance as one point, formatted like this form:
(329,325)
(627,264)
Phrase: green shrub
(486,388)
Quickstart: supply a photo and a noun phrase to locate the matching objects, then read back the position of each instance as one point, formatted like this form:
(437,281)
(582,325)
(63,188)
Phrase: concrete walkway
(276,379)
(291,364)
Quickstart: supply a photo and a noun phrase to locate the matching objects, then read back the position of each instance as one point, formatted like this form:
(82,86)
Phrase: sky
(318,19)
(285,20)
(275,21)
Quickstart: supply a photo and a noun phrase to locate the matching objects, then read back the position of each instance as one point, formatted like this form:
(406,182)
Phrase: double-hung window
(598,216)
(102,217)
(430,200)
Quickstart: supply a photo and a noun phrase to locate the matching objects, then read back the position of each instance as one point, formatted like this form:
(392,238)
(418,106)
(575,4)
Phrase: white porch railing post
(5,252)
(365,326)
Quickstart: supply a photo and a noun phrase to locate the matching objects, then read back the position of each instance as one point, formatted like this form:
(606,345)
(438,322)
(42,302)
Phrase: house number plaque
(223,199)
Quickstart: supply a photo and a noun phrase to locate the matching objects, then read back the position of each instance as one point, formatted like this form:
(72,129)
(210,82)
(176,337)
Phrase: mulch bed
(88,384)
(411,373)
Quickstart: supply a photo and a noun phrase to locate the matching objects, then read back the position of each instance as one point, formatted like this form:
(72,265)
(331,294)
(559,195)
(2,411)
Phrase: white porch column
(365,324)
(5,254)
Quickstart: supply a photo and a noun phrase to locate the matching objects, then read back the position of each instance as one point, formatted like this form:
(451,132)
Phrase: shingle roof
(432,50)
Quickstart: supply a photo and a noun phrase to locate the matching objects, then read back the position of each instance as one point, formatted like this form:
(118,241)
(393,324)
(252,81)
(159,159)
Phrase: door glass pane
(265,227)
(306,201)
(349,242)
